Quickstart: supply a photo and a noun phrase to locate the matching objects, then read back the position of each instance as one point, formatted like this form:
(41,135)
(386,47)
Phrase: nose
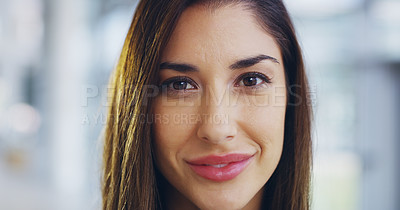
(217,125)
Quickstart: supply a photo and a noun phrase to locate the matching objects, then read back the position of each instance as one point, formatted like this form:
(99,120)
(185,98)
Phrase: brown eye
(180,85)
(252,79)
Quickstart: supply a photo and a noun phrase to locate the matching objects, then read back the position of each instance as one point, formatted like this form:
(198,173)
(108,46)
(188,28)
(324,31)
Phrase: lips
(220,167)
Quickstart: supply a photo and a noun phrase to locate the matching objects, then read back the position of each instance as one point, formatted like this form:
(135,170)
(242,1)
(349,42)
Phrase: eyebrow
(244,63)
(181,67)
(252,61)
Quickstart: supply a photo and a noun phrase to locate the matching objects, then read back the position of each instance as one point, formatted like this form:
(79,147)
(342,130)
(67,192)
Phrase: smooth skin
(224,92)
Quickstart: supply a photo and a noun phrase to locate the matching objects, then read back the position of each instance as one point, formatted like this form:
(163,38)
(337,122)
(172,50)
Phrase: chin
(224,203)
(222,206)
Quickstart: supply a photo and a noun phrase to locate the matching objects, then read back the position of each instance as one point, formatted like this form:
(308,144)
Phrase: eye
(179,84)
(251,79)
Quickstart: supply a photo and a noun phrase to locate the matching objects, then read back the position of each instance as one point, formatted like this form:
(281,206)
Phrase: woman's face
(219,122)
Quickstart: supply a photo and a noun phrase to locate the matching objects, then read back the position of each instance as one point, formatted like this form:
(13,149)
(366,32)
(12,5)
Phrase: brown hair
(130,179)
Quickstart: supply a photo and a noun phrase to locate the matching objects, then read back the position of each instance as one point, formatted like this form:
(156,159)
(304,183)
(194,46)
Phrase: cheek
(172,128)
(271,122)
(266,129)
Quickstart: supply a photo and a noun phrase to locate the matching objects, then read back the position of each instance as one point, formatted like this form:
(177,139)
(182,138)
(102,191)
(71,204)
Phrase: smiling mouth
(220,168)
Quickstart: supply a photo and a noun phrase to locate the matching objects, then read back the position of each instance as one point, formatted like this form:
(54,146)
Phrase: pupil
(180,85)
(250,81)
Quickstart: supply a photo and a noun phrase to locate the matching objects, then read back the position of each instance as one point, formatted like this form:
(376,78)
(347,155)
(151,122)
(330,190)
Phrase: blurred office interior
(56,57)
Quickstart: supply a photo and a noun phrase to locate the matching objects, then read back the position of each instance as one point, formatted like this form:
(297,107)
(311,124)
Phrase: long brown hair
(130,179)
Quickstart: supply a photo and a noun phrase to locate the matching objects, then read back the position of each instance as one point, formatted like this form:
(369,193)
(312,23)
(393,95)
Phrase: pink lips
(220,167)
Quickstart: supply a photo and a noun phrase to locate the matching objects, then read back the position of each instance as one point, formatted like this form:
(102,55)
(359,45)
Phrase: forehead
(229,31)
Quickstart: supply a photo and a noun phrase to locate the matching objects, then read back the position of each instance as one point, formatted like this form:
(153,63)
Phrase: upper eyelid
(253,73)
(178,78)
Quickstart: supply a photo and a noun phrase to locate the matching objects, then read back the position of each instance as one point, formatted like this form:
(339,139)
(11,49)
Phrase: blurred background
(56,57)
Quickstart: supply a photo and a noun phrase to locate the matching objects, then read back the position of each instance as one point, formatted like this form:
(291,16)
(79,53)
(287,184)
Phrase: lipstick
(220,167)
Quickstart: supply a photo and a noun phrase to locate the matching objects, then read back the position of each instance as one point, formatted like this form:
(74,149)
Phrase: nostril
(227,138)
(216,133)
(205,138)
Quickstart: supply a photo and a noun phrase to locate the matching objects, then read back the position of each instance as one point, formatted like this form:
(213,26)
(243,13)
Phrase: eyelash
(166,85)
(263,77)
